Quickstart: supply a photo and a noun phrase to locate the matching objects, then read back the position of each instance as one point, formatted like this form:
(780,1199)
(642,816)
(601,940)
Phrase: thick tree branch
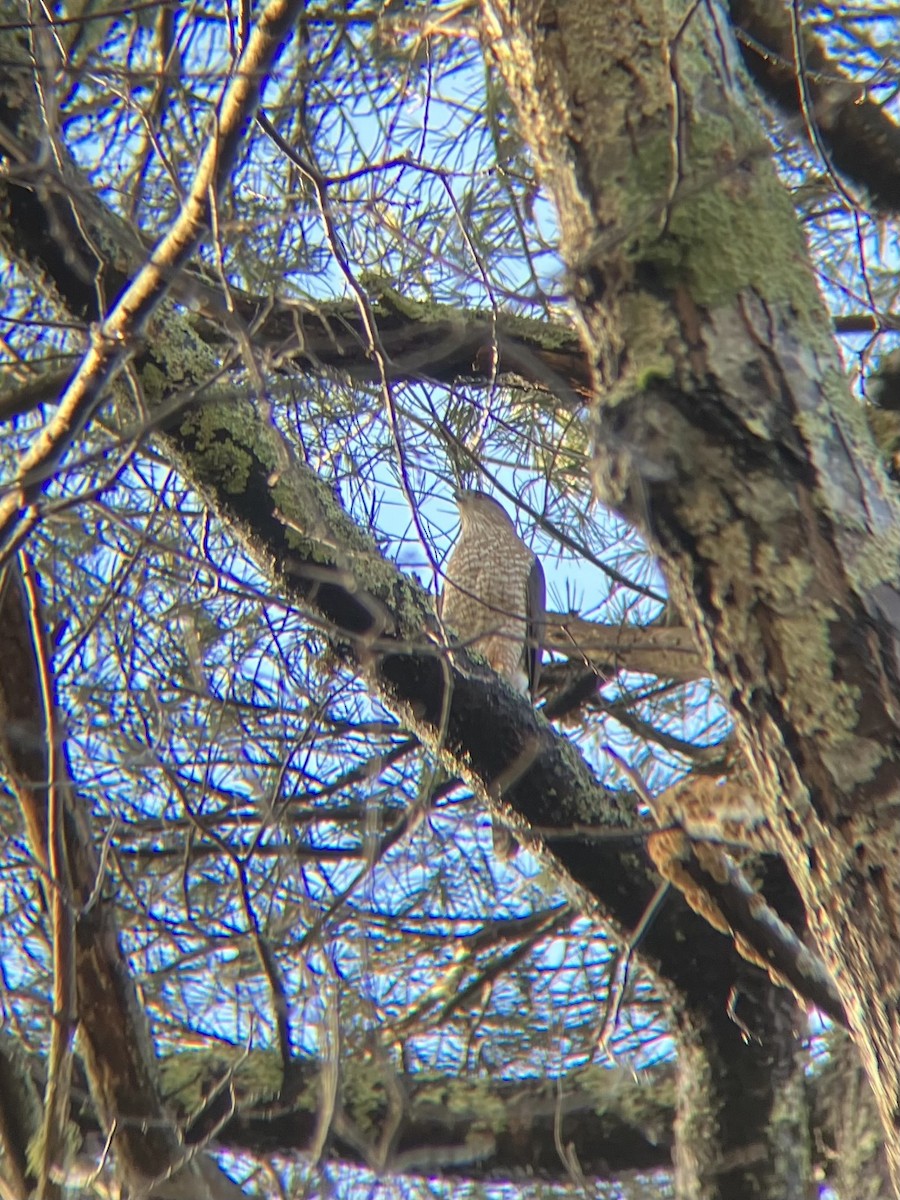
(382,626)
(379,620)
(115,1042)
(666,651)
(731,440)
(143,293)
(854,132)
(478,1128)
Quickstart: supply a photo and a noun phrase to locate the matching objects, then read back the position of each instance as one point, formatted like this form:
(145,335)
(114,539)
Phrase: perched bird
(494,594)
(494,599)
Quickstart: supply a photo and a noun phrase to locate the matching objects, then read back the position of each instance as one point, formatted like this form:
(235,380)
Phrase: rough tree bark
(727,1088)
(380,623)
(725,431)
(115,1042)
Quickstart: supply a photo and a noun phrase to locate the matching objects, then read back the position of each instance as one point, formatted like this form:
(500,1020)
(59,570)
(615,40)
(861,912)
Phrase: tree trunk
(725,431)
(289,520)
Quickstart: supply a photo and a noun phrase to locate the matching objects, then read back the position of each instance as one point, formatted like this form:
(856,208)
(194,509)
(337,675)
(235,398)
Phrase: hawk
(494,597)
(494,594)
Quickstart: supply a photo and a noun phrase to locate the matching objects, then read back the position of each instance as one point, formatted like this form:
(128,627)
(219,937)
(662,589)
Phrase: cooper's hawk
(494,592)
(494,597)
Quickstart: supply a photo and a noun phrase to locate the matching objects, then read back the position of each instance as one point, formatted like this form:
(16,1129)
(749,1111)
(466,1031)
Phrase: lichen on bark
(744,461)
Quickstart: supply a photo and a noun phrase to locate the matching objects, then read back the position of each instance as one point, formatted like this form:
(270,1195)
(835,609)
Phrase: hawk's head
(481,508)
